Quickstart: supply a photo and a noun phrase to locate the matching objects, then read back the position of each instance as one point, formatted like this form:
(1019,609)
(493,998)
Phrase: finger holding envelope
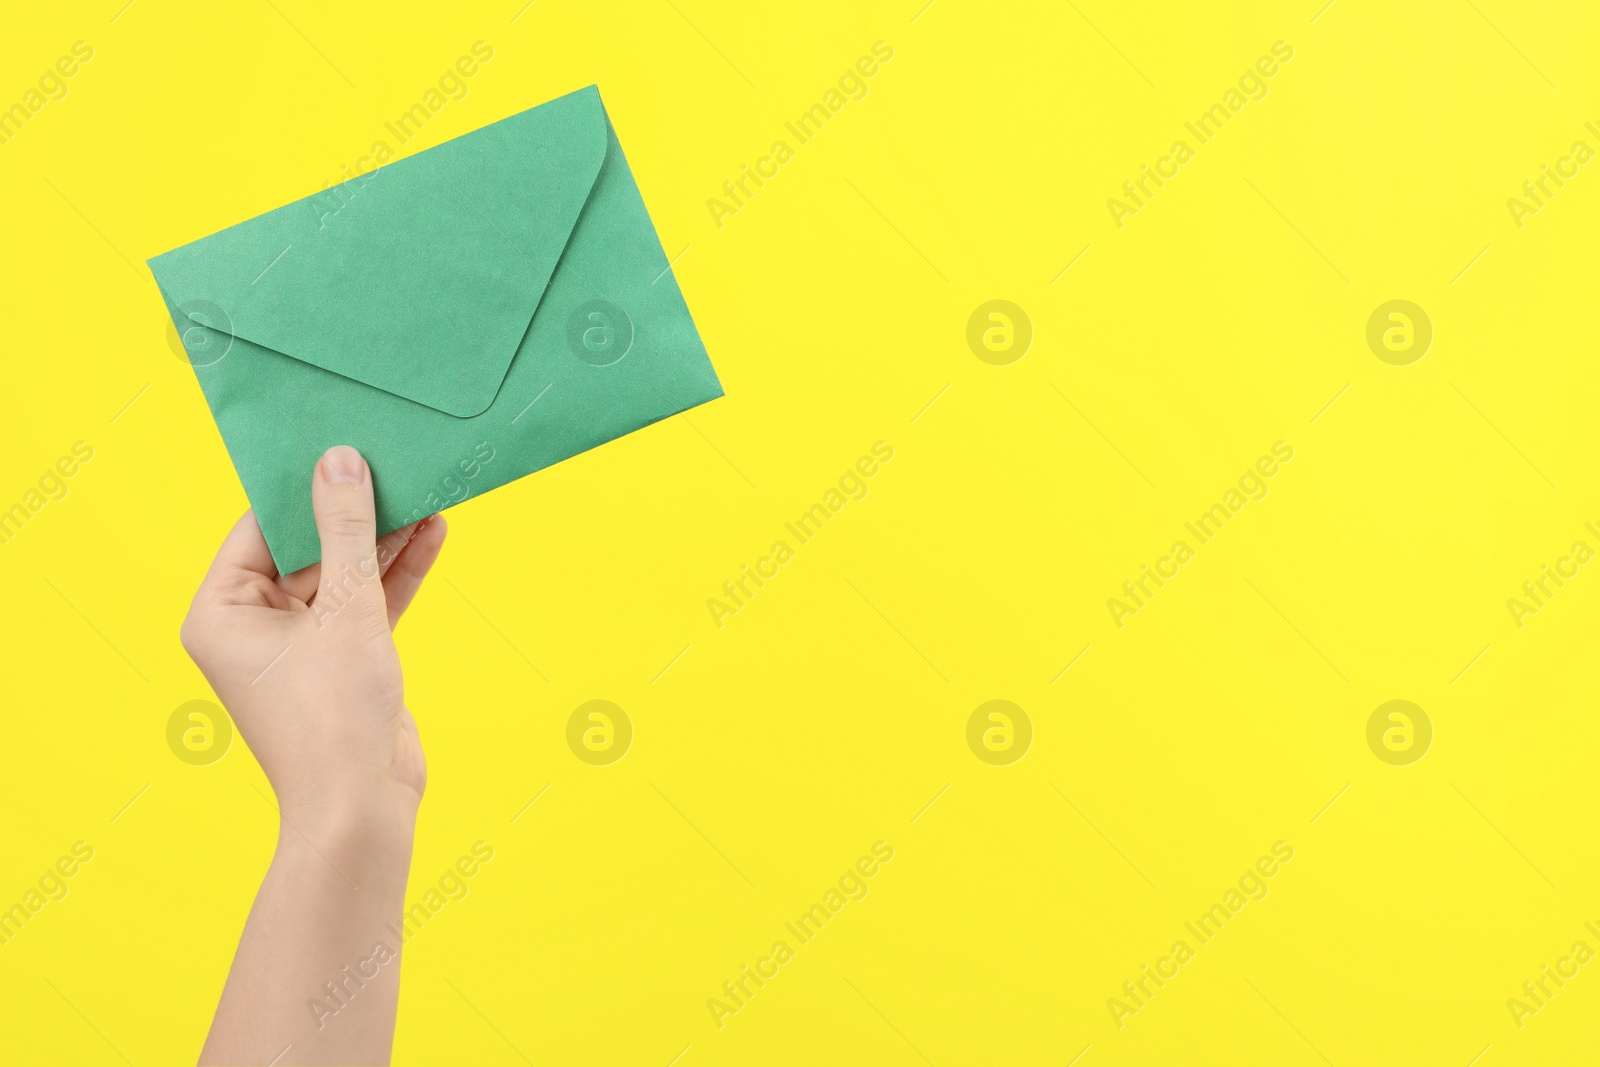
(342,491)
(244,564)
(404,576)
(243,571)
(303,584)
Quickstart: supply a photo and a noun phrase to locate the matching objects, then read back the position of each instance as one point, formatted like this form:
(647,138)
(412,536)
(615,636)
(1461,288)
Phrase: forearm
(316,978)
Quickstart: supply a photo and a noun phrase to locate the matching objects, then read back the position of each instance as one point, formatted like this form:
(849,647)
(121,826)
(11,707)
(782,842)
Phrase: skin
(327,721)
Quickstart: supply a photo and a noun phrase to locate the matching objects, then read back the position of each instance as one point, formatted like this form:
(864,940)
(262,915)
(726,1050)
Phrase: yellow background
(827,714)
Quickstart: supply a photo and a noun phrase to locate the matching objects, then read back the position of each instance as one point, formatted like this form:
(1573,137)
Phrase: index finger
(244,549)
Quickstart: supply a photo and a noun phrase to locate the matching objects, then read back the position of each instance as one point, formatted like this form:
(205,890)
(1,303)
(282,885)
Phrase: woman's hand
(306,665)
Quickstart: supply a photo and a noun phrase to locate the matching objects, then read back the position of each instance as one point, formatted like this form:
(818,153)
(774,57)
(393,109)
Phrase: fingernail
(343,465)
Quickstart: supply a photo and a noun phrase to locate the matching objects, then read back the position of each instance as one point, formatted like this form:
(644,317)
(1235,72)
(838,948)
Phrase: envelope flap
(419,278)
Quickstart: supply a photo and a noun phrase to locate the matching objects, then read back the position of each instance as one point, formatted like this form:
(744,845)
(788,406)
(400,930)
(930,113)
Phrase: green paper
(463,317)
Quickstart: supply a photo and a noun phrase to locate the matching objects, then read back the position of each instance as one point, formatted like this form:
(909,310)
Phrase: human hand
(306,663)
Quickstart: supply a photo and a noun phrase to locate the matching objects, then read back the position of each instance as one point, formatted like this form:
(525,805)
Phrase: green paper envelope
(463,317)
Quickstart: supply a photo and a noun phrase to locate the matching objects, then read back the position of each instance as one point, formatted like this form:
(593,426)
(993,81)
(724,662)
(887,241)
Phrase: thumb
(341,498)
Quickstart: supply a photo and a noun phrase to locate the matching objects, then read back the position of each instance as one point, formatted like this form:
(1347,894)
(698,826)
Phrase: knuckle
(347,524)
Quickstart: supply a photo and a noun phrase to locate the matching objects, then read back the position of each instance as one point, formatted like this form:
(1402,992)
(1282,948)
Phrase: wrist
(374,826)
